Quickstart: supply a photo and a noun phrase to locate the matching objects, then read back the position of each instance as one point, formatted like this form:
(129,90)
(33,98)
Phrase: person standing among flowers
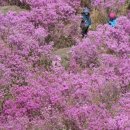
(85,22)
(112,19)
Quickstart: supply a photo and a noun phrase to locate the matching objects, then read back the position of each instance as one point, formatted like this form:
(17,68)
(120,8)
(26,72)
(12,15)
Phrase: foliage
(37,92)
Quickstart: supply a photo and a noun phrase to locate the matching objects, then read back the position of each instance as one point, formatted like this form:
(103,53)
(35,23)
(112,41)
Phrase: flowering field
(43,86)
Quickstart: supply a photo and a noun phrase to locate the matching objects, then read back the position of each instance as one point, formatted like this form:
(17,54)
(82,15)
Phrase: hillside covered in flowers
(85,88)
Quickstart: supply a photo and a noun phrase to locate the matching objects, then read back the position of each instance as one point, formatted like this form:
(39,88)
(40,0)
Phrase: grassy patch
(6,9)
(64,54)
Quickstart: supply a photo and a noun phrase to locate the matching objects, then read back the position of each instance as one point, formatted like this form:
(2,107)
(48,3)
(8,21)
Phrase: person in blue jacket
(112,19)
(85,22)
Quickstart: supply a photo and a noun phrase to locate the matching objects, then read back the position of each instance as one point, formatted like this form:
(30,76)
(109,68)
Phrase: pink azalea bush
(110,3)
(85,53)
(3,2)
(37,92)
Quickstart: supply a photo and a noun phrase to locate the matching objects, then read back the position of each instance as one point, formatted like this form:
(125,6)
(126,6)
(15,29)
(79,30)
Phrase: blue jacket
(86,20)
(113,22)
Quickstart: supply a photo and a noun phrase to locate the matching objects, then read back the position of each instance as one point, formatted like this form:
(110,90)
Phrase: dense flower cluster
(53,15)
(3,2)
(110,3)
(37,92)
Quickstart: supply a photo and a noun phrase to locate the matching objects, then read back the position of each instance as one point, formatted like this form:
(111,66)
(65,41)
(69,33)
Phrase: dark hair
(85,14)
